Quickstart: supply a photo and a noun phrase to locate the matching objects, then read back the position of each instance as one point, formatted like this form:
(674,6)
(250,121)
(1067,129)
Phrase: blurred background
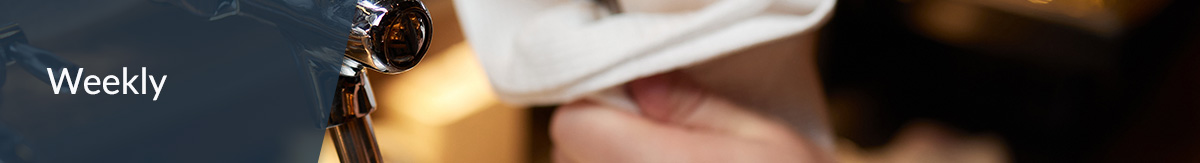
(906,80)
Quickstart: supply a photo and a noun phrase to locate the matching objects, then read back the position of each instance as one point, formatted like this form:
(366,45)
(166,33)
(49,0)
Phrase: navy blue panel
(248,80)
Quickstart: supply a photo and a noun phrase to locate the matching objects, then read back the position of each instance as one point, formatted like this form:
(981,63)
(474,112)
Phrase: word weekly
(124,84)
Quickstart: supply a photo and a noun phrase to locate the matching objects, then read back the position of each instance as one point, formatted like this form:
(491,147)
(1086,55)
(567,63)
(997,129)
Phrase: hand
(679,122)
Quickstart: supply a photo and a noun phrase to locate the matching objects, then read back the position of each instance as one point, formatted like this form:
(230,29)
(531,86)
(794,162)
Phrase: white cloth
(554,51)
(757,53)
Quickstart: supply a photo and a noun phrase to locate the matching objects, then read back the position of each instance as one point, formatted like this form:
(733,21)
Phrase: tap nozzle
(388,36)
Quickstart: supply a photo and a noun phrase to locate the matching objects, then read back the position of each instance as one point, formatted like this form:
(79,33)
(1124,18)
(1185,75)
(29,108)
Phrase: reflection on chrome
(388,36)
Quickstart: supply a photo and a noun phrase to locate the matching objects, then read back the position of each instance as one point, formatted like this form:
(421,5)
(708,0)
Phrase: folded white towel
(554,51)
(755,52)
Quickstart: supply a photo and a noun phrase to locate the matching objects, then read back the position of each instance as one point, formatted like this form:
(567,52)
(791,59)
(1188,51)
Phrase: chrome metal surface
(355,141)
(350,120)
(352,134)
(388,36)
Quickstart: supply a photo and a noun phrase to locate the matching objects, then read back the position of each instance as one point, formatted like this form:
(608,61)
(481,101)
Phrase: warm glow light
(442,111)
(443,89)
(1040,1)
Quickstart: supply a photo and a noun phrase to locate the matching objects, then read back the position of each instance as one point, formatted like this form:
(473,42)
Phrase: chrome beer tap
(388,36)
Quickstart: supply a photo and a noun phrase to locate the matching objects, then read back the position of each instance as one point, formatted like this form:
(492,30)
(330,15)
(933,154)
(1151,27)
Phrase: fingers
(586,132)
(667,98)
(672,98)
(681,123)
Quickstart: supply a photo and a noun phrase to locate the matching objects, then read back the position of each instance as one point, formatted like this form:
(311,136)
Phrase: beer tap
(388,36)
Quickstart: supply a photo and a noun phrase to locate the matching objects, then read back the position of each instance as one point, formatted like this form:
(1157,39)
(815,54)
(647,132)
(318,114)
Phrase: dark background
(1052,92)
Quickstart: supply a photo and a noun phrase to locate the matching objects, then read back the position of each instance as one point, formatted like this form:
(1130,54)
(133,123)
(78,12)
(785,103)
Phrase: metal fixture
(388,36)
